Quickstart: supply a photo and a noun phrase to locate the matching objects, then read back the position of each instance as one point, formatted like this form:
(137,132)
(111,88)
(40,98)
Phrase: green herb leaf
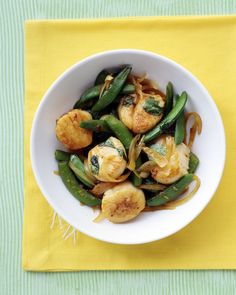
(160,148)
(94,165)
(110,144)
(128,100)
(152,107)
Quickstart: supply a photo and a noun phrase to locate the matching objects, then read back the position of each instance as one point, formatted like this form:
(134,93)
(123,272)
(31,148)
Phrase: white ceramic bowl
(61,96)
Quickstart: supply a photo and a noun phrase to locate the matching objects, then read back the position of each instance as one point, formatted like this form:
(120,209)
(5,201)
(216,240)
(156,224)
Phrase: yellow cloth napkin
(204,45)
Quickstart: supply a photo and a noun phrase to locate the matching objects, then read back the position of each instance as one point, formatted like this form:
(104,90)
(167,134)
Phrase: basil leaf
(128,100)
(94,165)
(160,148)
(110,144)
(152,106)
(107,143)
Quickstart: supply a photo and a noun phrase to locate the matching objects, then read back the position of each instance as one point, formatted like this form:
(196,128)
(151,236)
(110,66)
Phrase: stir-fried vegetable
(120,130)
(61,155)
(180,128)
(110,95)
(74,187)
(193,163)
(95,125)
(101,77)
(92,93)
(135,177)
(172,192)
(146,164)
(196,127)
(77,167)
(169,98)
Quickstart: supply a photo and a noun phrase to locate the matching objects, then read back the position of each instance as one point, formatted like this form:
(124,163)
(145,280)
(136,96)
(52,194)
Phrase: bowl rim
(87,59)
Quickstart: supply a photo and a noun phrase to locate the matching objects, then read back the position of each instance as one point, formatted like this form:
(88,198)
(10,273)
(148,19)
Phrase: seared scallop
(107,160)
(141,114)
(70,133)
(177,160)
(122,202)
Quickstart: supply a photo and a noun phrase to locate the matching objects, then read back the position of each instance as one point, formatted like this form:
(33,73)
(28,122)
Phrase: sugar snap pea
(169,98)
(77,166)
(100,79)
(137,181)
(61,155)
(179,126)
(128,89)
(169,119)
(112,92)
(88,95)
(193,163)
(74,187)
(93,93)
(95,125)
(172,192)
(119,129)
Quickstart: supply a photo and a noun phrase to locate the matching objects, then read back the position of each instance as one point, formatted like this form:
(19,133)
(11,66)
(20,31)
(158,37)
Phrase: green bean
(193,163)
(119,129)
(95,125)
(62,156)
(128,89)
(77,166)
(88,95)
(179,126)
(137,181)
(169,98)
(168,120)
(175,98)
(172,192)
(112,92)
(100,79)
(93,93)
(74,187)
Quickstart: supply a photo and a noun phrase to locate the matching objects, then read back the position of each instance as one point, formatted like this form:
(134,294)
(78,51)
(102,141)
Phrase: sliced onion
(160,160)
(153,208)
(169,147)
(144,174)
(132,155)
(100,217)
(100,188)
(144,170)
(153,186)
(196,128)
(147,166)
(119,179)
(138,87)
(106,85)
(186,198)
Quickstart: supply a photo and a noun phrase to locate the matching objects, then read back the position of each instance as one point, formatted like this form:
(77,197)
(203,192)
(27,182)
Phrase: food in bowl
(128,149)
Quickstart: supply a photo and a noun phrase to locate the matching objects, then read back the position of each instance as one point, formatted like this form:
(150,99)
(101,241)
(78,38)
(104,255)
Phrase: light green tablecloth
(12,278)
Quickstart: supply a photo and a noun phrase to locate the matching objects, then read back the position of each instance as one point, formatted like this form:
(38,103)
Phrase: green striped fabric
(12,278)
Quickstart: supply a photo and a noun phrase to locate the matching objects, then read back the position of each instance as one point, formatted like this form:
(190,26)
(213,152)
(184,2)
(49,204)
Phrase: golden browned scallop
(122,202)
(70,133)
(107,160)
(177,160)
(141,114)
